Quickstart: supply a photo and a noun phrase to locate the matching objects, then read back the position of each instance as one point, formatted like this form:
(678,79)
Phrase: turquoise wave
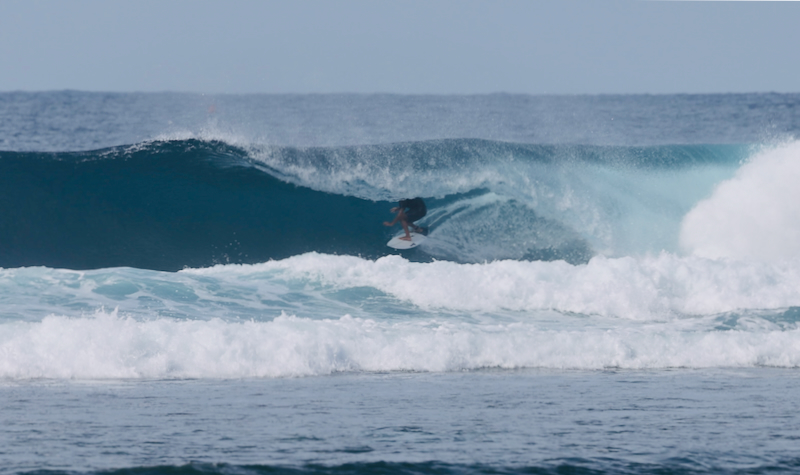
(191,203)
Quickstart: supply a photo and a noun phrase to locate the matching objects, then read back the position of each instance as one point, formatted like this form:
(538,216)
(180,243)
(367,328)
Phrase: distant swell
(553,466)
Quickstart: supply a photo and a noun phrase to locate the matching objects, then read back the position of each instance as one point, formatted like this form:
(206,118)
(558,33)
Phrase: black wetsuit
(415,209)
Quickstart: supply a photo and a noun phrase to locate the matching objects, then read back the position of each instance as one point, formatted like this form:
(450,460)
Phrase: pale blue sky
(366,46)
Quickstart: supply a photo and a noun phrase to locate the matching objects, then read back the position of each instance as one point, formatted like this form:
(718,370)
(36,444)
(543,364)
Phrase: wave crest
(754,215)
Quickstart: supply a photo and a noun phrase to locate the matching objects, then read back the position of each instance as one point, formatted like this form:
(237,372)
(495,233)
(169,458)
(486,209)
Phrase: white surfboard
(397,243)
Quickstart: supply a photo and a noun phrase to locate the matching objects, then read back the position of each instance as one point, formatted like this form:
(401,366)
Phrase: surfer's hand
(387,223)
(394,210)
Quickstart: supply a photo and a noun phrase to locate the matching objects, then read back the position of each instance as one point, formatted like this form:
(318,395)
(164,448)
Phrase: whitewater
(201,284)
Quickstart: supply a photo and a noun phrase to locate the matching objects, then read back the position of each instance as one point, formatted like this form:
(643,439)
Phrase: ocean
(200,284)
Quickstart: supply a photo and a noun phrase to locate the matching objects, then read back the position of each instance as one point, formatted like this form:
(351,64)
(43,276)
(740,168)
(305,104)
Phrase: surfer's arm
(400,215)
(393,222)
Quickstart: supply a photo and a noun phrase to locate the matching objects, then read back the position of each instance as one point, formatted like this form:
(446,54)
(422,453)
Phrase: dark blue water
(680,421)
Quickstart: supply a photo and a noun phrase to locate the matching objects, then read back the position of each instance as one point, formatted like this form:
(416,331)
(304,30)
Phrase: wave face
(167,205)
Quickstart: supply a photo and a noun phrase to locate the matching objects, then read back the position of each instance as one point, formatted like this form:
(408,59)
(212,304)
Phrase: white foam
(210,132)
(754,215)
(654,288)
(109,346)
(319,314)
(648,288)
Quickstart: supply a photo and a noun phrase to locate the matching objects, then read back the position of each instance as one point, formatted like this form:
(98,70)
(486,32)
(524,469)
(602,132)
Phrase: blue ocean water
(200,284)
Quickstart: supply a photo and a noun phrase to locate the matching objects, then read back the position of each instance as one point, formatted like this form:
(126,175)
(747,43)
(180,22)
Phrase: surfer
(409,211)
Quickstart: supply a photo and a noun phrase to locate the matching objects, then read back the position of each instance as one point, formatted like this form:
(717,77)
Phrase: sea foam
(754,215)
(108,345)
(644,288)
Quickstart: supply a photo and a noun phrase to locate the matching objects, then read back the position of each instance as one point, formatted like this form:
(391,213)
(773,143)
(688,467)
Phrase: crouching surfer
(407,212)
